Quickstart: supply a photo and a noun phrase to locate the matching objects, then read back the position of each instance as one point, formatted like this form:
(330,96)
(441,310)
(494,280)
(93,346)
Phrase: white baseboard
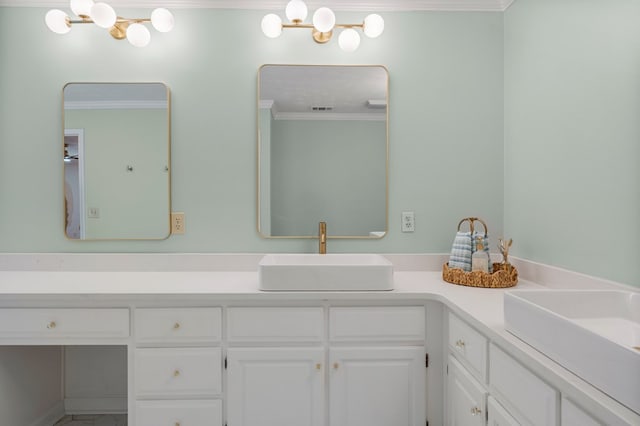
(51,416)
(95,405)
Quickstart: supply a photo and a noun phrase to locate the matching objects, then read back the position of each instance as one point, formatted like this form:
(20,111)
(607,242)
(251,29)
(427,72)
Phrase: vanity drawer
(68,323)
(178,372)
(377,323)
(182,413)
(267,324)
(531,398)
(178,325)
(469,347)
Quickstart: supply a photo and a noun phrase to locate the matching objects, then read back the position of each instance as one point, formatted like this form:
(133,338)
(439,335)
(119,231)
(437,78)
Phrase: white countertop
(483,308)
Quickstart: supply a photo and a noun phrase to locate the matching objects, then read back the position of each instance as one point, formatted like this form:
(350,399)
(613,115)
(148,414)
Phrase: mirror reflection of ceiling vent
(321,108)
(377,103)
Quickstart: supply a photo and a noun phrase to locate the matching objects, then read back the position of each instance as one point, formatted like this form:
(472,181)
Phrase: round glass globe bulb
(296,11)
(57,21)
(373,25)
(81,7)
(349,40)
(271,25)
(324,19)
(103,15)
(138,35)
(162,20)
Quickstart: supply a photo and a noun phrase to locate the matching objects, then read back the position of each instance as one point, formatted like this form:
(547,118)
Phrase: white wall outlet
(94,213)
(408,222)
(177,223)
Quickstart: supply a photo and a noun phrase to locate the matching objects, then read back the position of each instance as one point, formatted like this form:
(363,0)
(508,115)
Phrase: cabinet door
(275,386)
(498,416)
(572,415)
(466,398)
(383,386)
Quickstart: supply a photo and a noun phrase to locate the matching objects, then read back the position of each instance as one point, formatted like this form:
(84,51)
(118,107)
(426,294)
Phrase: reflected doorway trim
(79,135)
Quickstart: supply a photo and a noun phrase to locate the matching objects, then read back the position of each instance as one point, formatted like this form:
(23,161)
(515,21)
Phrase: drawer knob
(51,325)
(460,343)
(335,365)
(175,327)
(475,411)
(318,366)
(176,373)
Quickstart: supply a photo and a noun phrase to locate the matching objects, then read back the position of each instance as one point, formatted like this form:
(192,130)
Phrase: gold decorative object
(504,274)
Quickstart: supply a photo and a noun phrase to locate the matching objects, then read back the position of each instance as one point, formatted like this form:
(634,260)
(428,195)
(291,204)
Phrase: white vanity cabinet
(290,366)
(178,366)
(377,366)
(466,398)
(482,378)
(275,366)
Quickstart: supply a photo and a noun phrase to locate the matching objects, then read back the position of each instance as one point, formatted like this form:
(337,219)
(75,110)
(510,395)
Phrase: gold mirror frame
(313,226)
(131,166)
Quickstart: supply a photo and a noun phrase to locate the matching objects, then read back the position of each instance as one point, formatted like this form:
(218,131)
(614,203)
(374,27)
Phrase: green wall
(446,123)
(572,134)
(132,203)
(349,157)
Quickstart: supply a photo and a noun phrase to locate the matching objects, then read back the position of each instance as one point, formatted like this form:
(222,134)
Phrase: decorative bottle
(480,258)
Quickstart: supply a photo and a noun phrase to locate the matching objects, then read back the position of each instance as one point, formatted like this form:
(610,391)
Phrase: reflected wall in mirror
(116,161)
(322,150)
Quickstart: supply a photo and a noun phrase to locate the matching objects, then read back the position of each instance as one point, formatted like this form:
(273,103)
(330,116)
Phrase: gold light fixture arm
(320,37)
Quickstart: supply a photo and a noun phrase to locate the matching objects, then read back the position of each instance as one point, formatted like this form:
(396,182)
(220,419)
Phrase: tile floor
(93,420)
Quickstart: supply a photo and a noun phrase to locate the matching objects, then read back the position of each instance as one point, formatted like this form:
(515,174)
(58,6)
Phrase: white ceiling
(355,5)
(292,91)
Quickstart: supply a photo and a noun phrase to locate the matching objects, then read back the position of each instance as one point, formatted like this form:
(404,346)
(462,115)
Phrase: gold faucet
(322,238)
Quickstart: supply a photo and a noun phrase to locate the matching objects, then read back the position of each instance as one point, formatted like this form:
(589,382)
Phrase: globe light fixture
(322,25)
(296,11)
(102,15)
(349,40)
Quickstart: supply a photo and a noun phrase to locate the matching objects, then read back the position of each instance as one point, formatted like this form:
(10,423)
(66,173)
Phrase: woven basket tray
(503,276)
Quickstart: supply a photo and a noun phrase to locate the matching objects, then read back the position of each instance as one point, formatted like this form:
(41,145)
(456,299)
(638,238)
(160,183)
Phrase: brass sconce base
(321,38)
(119,30)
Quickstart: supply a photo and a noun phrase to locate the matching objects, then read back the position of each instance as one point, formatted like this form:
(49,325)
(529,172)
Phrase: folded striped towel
(461,251)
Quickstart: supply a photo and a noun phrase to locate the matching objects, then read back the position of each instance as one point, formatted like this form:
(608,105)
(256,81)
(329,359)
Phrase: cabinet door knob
(460,343)
(51,325)
(177,424)
(475,411)
(335,365)
(175,327)
(318,366)
(176,373)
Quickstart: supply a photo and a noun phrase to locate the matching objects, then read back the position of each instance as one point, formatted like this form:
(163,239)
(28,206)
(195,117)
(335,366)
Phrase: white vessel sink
(593,333)
(325,272)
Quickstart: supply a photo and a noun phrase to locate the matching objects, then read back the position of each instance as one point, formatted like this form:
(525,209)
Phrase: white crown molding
(351,5)
(68,105)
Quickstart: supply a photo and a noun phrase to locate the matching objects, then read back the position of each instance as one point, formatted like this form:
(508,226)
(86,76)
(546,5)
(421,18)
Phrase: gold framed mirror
(323,150)
(116,154)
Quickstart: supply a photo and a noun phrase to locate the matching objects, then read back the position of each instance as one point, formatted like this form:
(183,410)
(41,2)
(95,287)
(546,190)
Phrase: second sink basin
(325,272)
(593,333)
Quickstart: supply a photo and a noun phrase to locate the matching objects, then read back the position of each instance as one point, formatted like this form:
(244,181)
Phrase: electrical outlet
(408,222)
(177,223)
(94,213)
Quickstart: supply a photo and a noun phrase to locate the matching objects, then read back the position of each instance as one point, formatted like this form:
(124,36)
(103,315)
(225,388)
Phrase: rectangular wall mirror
(322,150)
(116,161)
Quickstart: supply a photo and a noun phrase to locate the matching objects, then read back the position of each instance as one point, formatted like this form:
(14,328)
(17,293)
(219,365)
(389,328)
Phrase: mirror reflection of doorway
(74,183)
